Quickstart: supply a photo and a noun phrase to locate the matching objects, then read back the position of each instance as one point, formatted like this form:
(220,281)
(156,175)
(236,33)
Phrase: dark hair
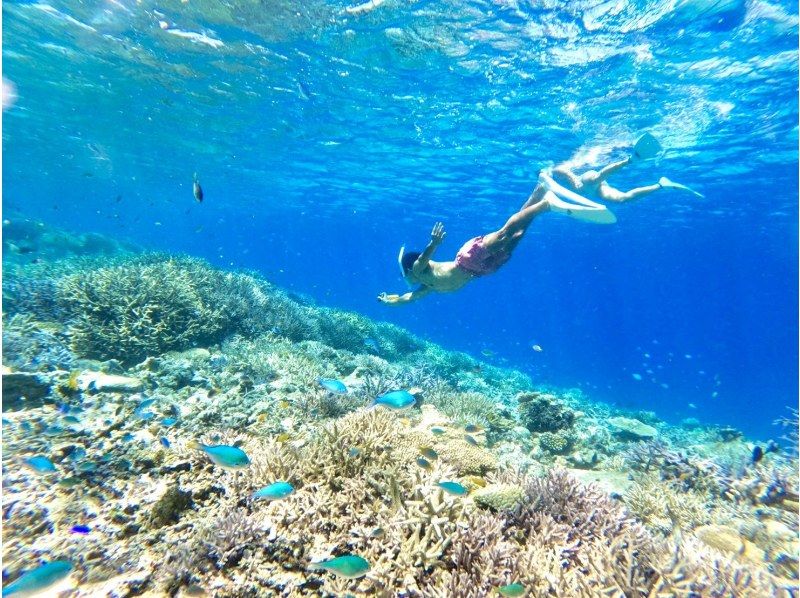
(408,260)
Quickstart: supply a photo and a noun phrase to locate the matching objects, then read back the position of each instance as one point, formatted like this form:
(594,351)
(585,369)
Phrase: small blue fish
(145,404)
(453,488)
(26,427)
(332,385)
(227,457)
(77,453)
(512,590)
(470,440)
(169,421)
(354,452)
(80,529)
(438,431)
(275,491)
(38,581)
(53,430)
(349,566)
(87,467)
(40,464)
(6,422)
(127,437)
(164,442)
(63,408)
(70,419)
(396,400)
(141,410)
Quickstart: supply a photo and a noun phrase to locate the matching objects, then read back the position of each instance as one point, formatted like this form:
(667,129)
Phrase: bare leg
(574,180)
(507,238)
(535,197)
(595,177)
(609,193)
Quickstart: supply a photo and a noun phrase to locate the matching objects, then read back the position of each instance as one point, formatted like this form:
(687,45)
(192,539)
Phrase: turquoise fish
(424,463)
(227,457)
(349,566)
(453,488)
(396,400)
(332,385)
(275,491)
(38,581)
(40,464)
(512,590)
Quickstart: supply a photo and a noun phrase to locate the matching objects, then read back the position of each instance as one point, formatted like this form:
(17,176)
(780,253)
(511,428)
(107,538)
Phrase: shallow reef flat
(151,403)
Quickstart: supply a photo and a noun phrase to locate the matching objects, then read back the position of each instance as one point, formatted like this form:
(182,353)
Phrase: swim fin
(646,147)
(598,215)
(667,184)
(583,208)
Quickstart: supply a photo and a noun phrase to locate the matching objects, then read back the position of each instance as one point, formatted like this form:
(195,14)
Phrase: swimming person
(478,257)
(594,181)
(485,254)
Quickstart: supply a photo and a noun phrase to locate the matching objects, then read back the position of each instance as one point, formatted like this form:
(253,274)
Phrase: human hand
(437,234)
(387,298)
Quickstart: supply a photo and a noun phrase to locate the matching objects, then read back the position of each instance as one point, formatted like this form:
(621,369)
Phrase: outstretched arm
(437,236)
(404,298)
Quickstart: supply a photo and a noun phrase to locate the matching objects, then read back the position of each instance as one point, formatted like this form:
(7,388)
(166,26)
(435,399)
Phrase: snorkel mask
(400,263)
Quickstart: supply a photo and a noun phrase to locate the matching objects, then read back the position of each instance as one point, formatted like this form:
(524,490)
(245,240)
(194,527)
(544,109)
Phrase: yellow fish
(429,453)
(72,381)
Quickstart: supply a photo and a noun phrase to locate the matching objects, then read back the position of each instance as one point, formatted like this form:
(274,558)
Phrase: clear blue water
(325,140)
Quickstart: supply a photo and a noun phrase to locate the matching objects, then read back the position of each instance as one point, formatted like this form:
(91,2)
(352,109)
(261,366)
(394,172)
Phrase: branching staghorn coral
(29,345)
(143,308)
(662,508)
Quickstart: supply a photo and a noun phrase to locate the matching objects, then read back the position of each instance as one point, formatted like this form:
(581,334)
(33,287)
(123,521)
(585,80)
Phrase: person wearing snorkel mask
(478,257)
(486,254)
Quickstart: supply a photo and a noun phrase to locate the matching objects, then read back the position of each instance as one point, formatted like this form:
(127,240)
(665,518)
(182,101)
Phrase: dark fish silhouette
(197,189)
(758,454)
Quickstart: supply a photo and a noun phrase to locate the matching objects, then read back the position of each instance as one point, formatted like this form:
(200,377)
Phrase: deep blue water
(325,140)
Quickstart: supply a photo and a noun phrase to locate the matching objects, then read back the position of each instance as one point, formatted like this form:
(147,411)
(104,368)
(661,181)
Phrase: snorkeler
(478,257)
(487,253)
(594,181)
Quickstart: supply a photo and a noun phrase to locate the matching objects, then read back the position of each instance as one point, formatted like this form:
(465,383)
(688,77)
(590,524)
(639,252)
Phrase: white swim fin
(646,147)
(598,215)
(582,208)
(667,184)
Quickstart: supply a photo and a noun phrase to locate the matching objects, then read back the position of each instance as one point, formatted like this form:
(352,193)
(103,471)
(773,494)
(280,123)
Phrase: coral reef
(632,429)
(541,412)
(226,358)
(499,497)
(555,443)
(147,308)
